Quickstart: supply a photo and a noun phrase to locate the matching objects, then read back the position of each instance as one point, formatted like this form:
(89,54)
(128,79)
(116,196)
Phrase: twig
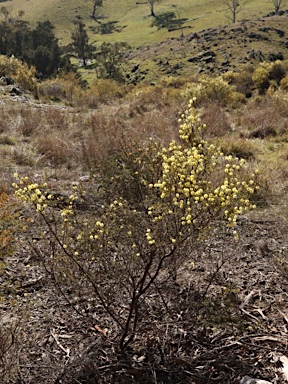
(67,351)
(249,314)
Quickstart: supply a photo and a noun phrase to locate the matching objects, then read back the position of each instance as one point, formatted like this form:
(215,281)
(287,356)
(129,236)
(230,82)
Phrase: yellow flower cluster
(198,183)
(190,124)
(149,237)
(37,195)
(182,189)
(212,89)
(30,193)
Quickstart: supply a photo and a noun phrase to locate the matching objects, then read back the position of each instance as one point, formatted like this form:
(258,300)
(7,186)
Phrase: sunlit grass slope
(132,17)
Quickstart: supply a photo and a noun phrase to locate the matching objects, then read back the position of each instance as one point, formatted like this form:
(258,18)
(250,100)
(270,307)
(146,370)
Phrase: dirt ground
(231,303)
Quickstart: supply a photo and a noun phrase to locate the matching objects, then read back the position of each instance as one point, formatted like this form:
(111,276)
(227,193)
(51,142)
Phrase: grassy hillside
(159,52)
(133,17)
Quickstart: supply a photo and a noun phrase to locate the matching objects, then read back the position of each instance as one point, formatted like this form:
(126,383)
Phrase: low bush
(64,88)
(284,83)
(261,77)
(118,247)
(20,72)
(278,70)
(240,147)
(108,90)
(216,120)
(216,89)
(242,81)
(269,75)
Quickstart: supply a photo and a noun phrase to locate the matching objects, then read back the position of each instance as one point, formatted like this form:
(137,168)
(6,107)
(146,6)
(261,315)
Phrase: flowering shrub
(213,89)
(21,73)
(114,255)
(261,76)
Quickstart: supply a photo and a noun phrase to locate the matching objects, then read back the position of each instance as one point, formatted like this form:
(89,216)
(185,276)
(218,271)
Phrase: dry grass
(216,120)
(79,138)
(263,117)
(59,144)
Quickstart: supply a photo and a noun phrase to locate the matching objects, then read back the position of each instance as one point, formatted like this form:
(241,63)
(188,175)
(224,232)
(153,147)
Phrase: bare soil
(231,318)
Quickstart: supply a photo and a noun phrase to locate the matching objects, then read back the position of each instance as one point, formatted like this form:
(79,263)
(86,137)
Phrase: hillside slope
(133,16)
(211,51)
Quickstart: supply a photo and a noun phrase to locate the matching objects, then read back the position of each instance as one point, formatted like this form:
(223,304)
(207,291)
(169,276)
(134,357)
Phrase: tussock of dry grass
(216,120)
(263,117)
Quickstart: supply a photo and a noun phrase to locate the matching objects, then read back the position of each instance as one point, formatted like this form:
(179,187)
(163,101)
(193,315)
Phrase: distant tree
(110,58)
(38,47)
(8,17)
(45,53)
(152,3)
(95,5)
(278,4)
(233,8)
(80,42)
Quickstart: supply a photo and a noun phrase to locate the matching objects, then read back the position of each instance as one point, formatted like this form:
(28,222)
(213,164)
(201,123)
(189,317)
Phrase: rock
(16,91)
(251,380)
(257,36)
(135,68)
(84,178)
(275,56)
(6,80)
(208,59)
(193,36)
(279,32)
(202,55)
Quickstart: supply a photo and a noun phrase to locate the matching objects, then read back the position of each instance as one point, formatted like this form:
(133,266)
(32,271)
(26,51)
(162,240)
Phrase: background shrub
(261,77)
(66,87)
(242,81)
(20,72)
(213,89)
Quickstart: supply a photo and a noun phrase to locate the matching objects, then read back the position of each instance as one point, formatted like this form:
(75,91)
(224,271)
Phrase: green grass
(135,17)
(152,46)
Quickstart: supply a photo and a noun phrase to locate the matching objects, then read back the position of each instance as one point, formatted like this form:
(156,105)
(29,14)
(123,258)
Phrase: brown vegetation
(210,321)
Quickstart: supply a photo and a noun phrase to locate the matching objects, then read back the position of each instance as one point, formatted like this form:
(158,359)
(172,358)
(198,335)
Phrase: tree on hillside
(95,5)
(38,47)
(278,4)
(152,3)
(80,42)
(233,9)
(45,54)
(110,58)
